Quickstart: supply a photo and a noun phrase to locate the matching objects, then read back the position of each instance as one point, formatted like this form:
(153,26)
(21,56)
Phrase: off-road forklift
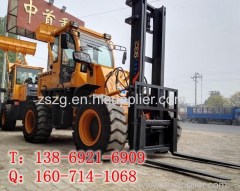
(81,65)
(21,81)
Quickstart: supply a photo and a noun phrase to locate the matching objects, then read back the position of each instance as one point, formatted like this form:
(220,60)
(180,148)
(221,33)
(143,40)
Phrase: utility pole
(195,79)
(201,76)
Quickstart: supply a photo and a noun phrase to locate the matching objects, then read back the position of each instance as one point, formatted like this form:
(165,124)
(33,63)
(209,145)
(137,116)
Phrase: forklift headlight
(75,24)
(30,85)
(107,36)
(81,57)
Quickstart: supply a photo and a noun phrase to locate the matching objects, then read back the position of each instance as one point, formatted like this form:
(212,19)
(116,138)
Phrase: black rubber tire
(9,124)
(41,129)
(113,134)
(179,131)
(179,127)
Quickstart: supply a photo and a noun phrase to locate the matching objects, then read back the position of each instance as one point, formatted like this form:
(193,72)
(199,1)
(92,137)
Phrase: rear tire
(100,126)
(35,123)
(7,115)
(179,127)
(179,131)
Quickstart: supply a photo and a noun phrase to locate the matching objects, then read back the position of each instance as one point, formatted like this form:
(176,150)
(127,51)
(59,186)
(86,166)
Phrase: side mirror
(81,57)
(64,41)
(85,59)
(124,58)
(123,49)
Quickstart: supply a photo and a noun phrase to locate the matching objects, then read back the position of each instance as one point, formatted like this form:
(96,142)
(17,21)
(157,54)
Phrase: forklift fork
(206,160)
(159,131)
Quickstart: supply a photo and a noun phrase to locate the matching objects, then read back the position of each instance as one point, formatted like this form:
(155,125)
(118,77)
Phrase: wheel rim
(3,118)
(89,127)
(29,121)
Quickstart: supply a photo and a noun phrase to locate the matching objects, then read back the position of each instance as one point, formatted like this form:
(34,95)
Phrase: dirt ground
(222,146)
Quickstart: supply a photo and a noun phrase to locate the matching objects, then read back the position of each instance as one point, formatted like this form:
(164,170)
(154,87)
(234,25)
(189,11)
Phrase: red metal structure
(24,16)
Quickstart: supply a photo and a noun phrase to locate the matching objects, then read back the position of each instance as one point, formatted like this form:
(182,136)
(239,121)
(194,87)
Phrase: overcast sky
(202,36)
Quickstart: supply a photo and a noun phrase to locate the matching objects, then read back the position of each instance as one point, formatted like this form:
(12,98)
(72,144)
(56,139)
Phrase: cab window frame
(71,69)
(56,40)
(17,70)
(95,41)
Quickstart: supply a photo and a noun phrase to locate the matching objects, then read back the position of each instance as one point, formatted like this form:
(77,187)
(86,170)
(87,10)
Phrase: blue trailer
(229,116)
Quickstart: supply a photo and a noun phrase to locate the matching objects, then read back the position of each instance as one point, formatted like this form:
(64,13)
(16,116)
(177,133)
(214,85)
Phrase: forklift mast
(159,132)
(142,14)
(151,128)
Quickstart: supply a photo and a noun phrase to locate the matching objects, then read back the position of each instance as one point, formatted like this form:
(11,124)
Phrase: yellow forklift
(82,66)
(21,81)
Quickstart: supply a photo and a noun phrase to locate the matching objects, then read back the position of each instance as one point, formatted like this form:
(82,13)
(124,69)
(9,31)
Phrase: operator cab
(79,57)
(93,50)
(23,79)
(26,75)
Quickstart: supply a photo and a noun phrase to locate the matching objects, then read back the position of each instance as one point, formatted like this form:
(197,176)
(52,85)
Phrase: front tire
(100,126)
(179,131)
(35,123)
(7,115)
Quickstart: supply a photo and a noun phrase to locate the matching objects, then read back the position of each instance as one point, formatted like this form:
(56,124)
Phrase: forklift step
(156,127)
(157,148)
(158,122)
